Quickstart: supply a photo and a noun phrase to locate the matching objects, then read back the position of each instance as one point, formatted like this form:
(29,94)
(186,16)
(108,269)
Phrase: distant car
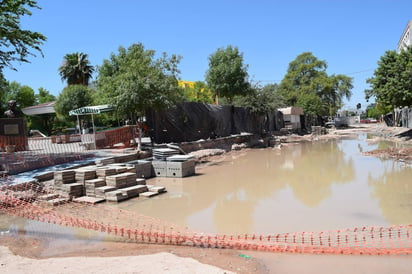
(337,122)
(341,122)
(368,121)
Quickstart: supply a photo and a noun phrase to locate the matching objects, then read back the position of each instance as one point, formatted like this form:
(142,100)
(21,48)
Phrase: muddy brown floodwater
(319,186)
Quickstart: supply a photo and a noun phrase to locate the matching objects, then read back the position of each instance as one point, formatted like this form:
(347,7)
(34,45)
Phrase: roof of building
(90,110)
(401,44)
(45,108)
(292,111)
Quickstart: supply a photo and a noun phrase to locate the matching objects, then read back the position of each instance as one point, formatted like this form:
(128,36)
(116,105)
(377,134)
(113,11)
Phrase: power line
(350,73)
(361,71)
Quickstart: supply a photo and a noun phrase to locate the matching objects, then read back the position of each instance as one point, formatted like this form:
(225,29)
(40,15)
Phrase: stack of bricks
(126,158)
(83,174)
(91,185)
(116,196)
(117,181)
(64,181)
(143,169)
(134,191)
(104,172)
(130,179)
(105,161)
(100,192)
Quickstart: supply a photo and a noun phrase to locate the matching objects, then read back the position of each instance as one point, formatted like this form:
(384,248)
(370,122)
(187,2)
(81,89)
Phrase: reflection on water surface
(300,187)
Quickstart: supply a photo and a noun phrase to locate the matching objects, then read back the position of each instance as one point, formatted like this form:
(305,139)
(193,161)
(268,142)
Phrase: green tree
(134,81)
(375,110)
(72,97)
(17,44)
(76,69)
(44,96)
(24,95)
(227,76)
(4,86)
(261,99)
(307,85)
(391,83)
(199,92)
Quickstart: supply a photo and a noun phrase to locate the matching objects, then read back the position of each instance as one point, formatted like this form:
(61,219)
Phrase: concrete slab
(89,200)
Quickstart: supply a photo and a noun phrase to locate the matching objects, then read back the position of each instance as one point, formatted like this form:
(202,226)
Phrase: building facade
(406,38)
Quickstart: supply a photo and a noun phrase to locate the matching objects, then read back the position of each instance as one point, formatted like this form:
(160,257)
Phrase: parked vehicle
(368,121)
(337,122)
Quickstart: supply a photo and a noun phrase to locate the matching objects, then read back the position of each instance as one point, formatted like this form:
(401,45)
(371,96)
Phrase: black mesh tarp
(194,121)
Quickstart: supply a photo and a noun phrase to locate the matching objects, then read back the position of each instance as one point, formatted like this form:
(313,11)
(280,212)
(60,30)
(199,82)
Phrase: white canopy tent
(90,110)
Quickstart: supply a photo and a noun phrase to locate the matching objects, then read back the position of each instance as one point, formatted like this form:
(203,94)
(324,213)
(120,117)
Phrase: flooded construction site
(303,187)
(307,186)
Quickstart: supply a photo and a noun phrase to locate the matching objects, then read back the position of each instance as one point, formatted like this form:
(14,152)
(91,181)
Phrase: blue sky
(350,35)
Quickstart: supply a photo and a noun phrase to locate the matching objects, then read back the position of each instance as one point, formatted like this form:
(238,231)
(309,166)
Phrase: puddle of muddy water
(300,187)
(318,186)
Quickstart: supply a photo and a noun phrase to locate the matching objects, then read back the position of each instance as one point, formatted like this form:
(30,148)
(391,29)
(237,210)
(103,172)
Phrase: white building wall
(406,38)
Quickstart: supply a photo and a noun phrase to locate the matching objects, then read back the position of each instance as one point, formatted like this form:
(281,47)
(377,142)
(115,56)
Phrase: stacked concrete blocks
(91,185)
(143,168)
(83,174)
(177,166)
(153,191)
(112,179)
(159,168)
(180,169)
(65,181)
(134,191)
(100,192)
(117,181)
(116,196)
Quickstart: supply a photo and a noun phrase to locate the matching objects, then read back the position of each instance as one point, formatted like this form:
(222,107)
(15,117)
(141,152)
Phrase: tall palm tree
(76,69)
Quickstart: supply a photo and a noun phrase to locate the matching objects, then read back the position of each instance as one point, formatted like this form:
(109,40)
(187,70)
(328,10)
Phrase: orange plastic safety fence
(122,135)
(17,143)
(28,201)
(20,153)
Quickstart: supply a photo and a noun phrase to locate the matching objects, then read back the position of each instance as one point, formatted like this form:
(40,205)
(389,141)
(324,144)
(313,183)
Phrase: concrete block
(159,168)
(143,169)
(180,169)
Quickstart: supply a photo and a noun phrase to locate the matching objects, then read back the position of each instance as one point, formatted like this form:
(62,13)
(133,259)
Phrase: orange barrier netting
(27,201)
(36,152)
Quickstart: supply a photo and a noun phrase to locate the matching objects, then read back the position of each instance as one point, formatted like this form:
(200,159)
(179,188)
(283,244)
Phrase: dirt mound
(404,153)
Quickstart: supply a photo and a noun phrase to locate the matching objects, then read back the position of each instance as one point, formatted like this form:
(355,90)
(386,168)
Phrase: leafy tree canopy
(44,96)
(133,80)
(261,99)
(227,76)
(307,85)
(16,43)
(24,95)
(198,92)
(76,69)
(4,86)
(391,83)
(72,97)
